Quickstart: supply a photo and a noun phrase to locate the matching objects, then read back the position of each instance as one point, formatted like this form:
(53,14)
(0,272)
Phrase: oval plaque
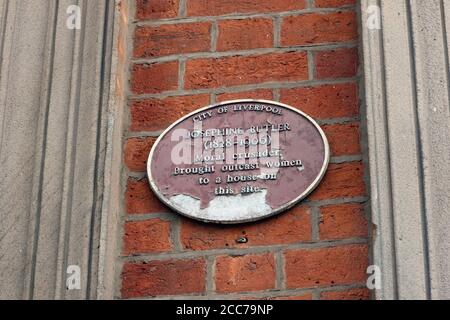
(238,161)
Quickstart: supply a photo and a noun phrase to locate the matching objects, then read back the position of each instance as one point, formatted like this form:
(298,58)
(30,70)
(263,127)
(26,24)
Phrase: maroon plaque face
(238,161)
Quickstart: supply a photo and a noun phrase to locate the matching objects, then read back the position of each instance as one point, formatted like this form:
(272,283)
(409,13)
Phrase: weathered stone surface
(53,126)
(407,97)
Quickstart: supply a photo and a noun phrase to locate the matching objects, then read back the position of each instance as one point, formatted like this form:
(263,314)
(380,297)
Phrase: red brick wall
(189,53)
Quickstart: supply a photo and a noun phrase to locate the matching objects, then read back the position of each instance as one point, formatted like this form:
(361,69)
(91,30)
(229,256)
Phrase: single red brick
(160,9)
(339,63)
(245,34)
(342,222)
(333,3)
(158,114)
(353,294)
(307,268)
(137,151)
(343,138)
(290,227)
(222,7)
(324,102)
(239,70)
(154,78)
(265,94)
(169,277)
(167,39)
(314,28)
(139,199)
(341,181)
(245,273)
(147,236)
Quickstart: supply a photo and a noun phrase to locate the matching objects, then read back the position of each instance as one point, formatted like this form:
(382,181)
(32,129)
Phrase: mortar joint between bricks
(186,255)
(214,36)
(213,54)
(247,87)
(345,159)
(182,9)
(137,175)
(315,222)
(213,98)
(151,216)
(276,94)
(280,273)
(311,65)
(142,134)
(277,20)
(336,201)
(175,234)
(210,275)
(181,72)
(316,294)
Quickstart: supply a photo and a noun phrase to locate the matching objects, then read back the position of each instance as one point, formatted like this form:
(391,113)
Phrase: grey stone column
(56,126)
(407,84)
